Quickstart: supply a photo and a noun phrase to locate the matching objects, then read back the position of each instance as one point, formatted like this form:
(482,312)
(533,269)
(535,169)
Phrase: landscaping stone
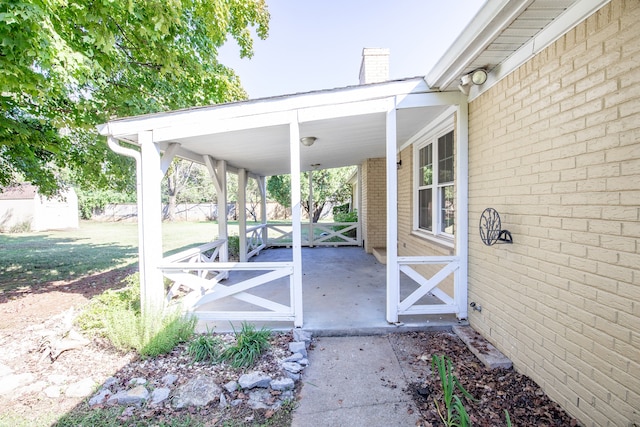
(253,380)
(282,384)
(298,347)
(13,381)
(159,395)
(169,379)
(231,386)
(292,367)
(198,392)
(294,357)
(302,336)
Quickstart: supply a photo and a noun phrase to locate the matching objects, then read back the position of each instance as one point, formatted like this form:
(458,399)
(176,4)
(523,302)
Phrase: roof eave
(489,22)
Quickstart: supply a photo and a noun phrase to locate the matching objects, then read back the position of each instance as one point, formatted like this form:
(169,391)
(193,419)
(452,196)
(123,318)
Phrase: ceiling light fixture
(308,141)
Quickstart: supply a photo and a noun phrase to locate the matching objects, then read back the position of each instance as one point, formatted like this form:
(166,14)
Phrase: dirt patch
(494,390)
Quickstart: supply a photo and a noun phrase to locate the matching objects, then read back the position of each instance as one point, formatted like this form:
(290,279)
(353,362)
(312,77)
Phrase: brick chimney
(375,65)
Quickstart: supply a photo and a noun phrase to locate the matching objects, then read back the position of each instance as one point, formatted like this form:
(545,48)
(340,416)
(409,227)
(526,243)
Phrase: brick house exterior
(551,140)
(554,147)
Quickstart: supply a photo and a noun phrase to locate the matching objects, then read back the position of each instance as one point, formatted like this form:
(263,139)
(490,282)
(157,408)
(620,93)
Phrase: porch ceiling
(349,125)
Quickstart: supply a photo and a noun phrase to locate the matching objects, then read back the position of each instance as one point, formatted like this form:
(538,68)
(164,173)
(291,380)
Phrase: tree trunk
(171,209)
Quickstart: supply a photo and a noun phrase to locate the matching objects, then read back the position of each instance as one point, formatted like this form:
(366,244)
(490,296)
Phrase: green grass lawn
(27,259)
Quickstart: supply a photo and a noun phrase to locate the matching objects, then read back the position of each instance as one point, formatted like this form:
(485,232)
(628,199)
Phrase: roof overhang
(503,35)
(349,124)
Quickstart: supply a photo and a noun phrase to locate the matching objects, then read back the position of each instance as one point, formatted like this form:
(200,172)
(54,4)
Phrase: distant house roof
(18,192)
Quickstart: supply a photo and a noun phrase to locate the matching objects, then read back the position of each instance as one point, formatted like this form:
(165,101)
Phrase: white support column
(262,186)
(359,207)
(310,204)
(294,146)
(393,286)
(150,222)
(218,172)
(242,217)
(462,210)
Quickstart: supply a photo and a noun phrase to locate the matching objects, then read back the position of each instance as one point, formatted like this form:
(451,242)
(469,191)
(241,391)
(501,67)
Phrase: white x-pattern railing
(196,271)
(324,234)
(408,305)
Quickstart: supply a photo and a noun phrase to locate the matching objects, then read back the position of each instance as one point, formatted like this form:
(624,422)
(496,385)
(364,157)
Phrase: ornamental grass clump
(206,348)
(250,343)
(248,347)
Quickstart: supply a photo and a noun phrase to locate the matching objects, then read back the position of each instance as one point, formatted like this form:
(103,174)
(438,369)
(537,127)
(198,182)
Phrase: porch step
(485,351)
(380,254)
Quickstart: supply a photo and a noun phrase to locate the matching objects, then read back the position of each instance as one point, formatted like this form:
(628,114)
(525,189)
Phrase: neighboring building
(547,134)
(23,209)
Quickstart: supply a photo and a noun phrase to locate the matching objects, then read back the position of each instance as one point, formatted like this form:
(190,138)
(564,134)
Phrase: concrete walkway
(354,381)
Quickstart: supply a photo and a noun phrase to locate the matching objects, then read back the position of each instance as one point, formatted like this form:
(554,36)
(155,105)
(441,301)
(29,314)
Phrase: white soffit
(504,35)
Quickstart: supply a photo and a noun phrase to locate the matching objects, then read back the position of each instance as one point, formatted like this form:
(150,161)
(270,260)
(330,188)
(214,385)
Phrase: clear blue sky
(317,44)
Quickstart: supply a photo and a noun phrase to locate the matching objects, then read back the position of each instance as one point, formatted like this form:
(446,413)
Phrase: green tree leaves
(329,186)
(69,65)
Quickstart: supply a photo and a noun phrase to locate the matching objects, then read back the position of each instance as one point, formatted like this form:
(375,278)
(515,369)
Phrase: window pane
(425,220)
(445,158)
(426,166)
(447,209)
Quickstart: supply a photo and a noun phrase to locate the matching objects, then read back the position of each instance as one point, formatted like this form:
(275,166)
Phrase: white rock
(13,381)
(82,388)
(52,392)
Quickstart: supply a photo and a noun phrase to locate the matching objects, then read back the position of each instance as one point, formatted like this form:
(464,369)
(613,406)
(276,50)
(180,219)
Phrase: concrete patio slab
(344,293)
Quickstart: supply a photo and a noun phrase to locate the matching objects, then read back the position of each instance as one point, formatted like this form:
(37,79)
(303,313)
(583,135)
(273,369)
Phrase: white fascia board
(431,99)
(198,128)
(571,17)
(186,118)
(488,23)
(326,112)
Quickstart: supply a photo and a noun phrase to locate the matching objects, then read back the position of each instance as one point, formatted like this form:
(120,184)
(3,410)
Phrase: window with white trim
(435,177)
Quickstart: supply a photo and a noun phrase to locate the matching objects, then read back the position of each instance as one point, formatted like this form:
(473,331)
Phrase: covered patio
(260,138)
(343,292)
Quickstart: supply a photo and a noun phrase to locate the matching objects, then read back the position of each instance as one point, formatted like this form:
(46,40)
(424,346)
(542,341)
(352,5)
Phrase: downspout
(115,146)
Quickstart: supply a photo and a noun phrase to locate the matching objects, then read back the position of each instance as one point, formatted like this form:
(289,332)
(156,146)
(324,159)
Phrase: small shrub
(234,246)
(21,227)
(92,319)
(250,344)
(116,315)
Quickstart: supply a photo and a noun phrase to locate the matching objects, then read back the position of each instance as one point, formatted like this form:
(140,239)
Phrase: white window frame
(431,137)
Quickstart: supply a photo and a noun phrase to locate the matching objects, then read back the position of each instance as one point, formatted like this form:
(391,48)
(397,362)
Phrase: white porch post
(310,204)
(462,210)
(294,146)
(393,285)
(150,222)
(262,186)
(242,218)
(218,172)
(359,207)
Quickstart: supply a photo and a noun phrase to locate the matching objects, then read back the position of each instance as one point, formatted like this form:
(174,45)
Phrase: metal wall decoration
(490,228)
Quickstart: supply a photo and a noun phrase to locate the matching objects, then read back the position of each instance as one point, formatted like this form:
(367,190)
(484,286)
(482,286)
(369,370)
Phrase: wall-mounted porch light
(308,141)
(476,77)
